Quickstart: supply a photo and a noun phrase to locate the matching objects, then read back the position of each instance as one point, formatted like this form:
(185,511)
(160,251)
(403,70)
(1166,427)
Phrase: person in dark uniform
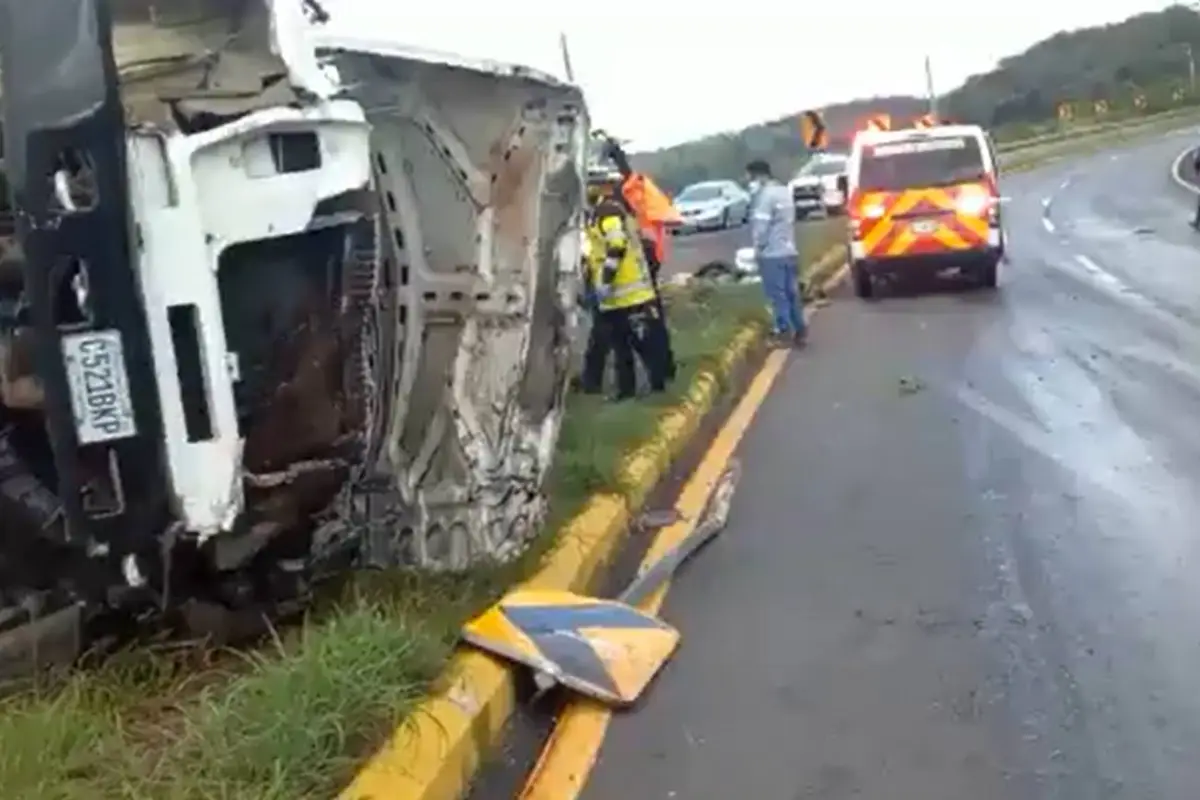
(618,278)
(631,195)
(1196,171)
(599,343)
(659,330)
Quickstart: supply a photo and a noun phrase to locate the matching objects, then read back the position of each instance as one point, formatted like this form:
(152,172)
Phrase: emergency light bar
(923,145)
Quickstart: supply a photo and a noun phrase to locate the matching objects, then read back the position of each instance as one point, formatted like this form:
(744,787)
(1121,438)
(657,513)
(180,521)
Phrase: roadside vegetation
(293,718)
(1146,55)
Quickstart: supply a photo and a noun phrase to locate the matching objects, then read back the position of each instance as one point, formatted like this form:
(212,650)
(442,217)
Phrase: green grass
(294,719)
(814,239)
(596,433)
(290,720)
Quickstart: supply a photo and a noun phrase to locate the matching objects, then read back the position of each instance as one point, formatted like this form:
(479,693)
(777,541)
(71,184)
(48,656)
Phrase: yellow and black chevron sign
(602,648)
(879,122)
(813,130)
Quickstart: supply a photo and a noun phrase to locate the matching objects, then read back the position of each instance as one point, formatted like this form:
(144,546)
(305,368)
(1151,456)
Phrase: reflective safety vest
(654,210)
(630,284)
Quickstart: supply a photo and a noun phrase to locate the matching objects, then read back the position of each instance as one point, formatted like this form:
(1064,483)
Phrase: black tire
(989,273)
(801,215)
(864,287)
(725,220)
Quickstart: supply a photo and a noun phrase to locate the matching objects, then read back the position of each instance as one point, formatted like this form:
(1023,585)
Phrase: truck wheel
(989,273)
(864,287)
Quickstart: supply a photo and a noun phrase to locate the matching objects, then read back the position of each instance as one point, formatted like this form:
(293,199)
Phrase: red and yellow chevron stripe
(922,221)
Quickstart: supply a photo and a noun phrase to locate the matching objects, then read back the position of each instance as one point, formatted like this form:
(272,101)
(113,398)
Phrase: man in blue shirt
(773,236)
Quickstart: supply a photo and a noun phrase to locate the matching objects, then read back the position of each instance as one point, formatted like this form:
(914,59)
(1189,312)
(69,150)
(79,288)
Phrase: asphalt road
(689,252)
(964,558)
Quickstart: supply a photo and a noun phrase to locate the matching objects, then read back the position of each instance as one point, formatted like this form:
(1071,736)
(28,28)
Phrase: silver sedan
(712,205)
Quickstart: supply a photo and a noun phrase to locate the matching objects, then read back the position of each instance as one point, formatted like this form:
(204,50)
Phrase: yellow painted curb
(437,751)
(830,268)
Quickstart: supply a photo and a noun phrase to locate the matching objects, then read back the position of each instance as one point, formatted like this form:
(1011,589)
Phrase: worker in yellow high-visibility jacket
(620,285)
(654,212)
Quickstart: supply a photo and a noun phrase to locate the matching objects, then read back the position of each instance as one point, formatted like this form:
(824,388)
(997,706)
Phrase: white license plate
(99,385)
(924,226)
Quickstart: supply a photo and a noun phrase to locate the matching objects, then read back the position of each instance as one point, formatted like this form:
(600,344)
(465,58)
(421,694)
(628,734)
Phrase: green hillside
(1147,54)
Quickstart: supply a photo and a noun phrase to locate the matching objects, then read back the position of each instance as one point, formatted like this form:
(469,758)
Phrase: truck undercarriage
(268,318)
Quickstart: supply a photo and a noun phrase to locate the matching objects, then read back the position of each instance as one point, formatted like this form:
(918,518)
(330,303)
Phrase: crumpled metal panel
(480,171)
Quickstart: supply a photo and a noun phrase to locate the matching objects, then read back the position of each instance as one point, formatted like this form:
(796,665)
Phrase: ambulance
(923,199)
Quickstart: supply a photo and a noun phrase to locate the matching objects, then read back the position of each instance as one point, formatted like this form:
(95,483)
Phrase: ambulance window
(822,166)
(940,161)
(991,146)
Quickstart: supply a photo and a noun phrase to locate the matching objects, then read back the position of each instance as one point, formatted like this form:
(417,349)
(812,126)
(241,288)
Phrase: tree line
(1148,55)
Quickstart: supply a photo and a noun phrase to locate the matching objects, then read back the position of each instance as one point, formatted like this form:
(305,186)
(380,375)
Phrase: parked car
(712,205)
(815,188)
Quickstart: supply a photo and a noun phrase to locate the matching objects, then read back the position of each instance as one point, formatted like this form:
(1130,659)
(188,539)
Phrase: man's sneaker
(800,340)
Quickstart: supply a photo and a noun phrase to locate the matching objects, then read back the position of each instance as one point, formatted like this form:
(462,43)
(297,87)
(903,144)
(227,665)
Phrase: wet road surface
(689,252)
(964,558)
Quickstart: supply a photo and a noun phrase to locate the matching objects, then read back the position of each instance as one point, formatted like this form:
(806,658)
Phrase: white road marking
(1098,472)
(1122,291)
(1048,224)
(1066,182)
(1046,202)
(1097,272)
(1177,168)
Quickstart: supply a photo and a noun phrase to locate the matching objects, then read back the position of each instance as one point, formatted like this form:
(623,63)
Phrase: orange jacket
(653,209)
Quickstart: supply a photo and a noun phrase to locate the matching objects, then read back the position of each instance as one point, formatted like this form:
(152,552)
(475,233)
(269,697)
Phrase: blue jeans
(779,279)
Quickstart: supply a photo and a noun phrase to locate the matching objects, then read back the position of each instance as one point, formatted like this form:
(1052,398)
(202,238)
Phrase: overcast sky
(722,66)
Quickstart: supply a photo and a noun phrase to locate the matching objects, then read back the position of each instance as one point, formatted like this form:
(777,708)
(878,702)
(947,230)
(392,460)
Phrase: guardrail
(1032,153)
(1128,123)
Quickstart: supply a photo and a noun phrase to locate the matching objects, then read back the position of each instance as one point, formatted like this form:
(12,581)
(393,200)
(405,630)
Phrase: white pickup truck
(815,187)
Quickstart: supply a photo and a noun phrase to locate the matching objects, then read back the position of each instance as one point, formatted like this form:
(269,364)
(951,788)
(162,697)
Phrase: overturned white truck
(275,303)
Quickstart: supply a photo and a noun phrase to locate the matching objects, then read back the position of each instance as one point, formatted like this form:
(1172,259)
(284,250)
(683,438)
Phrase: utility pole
(566,56)
(929,88)
(1187,48)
